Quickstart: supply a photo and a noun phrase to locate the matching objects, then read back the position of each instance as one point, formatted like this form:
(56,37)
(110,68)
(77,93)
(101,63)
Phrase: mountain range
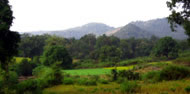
(138,29)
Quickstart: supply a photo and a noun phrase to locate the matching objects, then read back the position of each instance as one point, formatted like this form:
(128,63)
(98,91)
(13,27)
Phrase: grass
(77,89)
(107,70)
(99,71)
(122,68)
(165,87)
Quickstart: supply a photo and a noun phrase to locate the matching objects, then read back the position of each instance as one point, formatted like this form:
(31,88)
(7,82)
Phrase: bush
(68,81)
(87,82)
(47,76)
(171,72)
(187,89)
(121,80)
(25,67)
(174,73)
(152,76)
(129,87)
(29,86)
(114,74)
(129,75)
(103,81)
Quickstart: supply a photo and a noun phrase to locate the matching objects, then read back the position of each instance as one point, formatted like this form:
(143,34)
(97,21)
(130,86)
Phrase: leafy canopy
(166,47)
(180,14)
(8,39)
(57,54)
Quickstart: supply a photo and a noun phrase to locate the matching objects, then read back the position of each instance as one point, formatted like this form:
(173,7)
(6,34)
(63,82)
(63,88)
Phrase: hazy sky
(35,15)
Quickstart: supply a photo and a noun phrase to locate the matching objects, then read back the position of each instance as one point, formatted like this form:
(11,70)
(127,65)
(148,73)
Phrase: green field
(106,70)
(100,71)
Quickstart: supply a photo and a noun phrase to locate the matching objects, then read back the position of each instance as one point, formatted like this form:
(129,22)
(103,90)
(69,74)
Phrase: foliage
(129,75)
(187,89)
(32,45)
(103,81)
(8,43)
(152,76)
(47,77)
(28,86)
(57,54)
(174,73)
(68,81)
(114,74)
(129,87)
(8,39)
(87,82)
(25,67)
(166,47)
(180,14)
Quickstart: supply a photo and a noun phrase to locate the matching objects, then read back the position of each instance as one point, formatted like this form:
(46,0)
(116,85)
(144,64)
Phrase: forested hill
(91,28)
(138,29)
(77,32)
(143,29)
(132,30)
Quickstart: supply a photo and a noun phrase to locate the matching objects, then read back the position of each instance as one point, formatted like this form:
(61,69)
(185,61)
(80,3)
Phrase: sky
(47,15)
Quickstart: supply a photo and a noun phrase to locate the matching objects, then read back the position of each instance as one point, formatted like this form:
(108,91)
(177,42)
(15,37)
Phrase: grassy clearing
(99,71)
(107,70)
(165,87)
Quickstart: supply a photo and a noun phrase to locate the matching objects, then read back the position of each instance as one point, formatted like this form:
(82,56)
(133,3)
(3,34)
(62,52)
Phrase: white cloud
(34,15)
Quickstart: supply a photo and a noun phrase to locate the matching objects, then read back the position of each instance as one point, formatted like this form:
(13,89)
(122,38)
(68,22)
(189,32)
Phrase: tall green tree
(8,39)
(180,14)
(166,47)
(32,45)
(54,54)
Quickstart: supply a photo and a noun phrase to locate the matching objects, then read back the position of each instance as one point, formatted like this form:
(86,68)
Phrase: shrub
(129,87)
(129,75)
(94,77)
(121,80)
(152,76)
(29,86)
(68,81)
(87,82)
(25,67)
(103,81)
(174,73)
(114,74)
(187,89)
(171,72)
(47,76)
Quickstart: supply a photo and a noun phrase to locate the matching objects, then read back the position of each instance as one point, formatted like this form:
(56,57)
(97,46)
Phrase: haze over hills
(145,29)
(90,28)
(138,29)
(131,30)
(161,28)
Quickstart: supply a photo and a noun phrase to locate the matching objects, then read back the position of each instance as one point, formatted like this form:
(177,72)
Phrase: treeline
(101,49)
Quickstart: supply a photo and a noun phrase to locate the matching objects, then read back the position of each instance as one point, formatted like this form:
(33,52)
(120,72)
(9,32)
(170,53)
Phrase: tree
(57,54)
(166,47)
(8,39)
(180,14)
(32,45)
(25,67)
(109,53)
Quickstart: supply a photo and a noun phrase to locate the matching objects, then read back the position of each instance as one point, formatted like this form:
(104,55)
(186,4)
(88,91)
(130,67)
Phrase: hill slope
(145,29)
(91,28)
(132,30)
